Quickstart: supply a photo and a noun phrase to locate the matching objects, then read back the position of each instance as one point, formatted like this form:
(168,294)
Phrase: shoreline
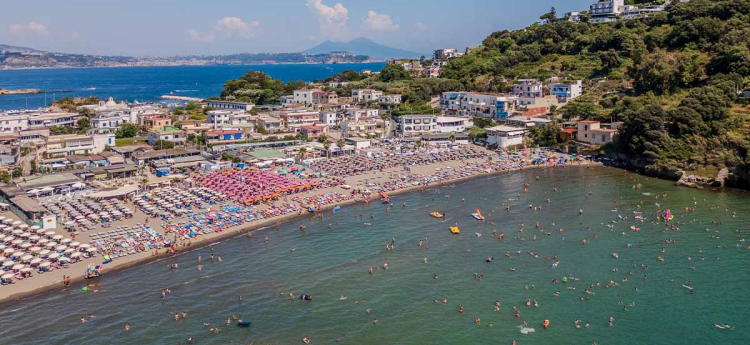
(189,65)
(146,257)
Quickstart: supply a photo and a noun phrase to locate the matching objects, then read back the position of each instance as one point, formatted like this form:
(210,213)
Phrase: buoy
(85,289)
(545,324)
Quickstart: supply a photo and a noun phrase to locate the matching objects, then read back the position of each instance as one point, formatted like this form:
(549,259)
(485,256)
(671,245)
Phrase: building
(107,122)
(505,136)
(324,97)
(528,88)
(168,133)
(596,133)
(452,124)
(606,11)
(294,119)
(390,99)
(269,124)
(357,113)
(13,123)
(573,16)
(447,53)
(417,124)
(358,143)
(329,118)
(229,105)
(567,92)
(10,149)
(527,121)
(156,123)
(314,131)
(366,95)
(363,127)
(61,146)
(221,136)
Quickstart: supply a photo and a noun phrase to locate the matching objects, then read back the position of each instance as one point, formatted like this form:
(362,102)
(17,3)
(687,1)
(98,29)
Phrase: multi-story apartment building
(366,95)
(416,124)
(229,105)
(566,92)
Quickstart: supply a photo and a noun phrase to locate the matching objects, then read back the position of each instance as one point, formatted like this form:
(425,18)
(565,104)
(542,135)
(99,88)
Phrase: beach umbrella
(85,245)
(7,221)
(17,232)
(35,261)
(53,256)
(17,268)
(44,264)
(17,254)
(25,235)
(34,238)
(35,250)
(17,242)
(35,227)
(66,241)
(25,245)
(50,245)
(57,237)
(17,223)
(49,233)
(43,241)
(75,255)
(8,264)
(27,258)
(91,250)
(61,248)
(75,244)
(44,253)
(69,251)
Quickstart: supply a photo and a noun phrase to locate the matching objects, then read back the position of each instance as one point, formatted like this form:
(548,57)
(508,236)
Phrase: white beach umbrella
(44,253)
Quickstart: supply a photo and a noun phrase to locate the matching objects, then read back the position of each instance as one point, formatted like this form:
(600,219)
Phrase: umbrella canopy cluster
(355,164)
(166,202)
(126,240)
(87,213)
(24,249)
(253,185)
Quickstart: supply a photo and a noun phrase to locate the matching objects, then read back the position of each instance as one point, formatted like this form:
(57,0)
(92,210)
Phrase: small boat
(311,209)
(478,215)
(437,214)
(478,234)
(337,208)
(455,230)
(243,323)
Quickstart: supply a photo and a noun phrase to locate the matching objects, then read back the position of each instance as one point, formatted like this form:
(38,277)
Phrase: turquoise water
(148,83)
(329,263)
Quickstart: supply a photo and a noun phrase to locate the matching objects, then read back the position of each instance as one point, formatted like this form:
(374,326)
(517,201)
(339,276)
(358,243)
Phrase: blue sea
(148,83)
(642,294)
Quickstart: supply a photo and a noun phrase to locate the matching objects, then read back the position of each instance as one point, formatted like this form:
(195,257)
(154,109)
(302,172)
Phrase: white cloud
(421,26)
(225,28)
(230,26)
(380,22)
(32,28)
(196,36)
(332,19)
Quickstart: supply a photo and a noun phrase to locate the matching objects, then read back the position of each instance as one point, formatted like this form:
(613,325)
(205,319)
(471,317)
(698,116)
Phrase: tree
(83,123)
(302,151)
(550,16)
(547,135)
(5,177)
(17,172)
(126,130)
(581,111)
(340,143)
(483,122)
(393,72)
(33,166)
(326,145)
(163,145)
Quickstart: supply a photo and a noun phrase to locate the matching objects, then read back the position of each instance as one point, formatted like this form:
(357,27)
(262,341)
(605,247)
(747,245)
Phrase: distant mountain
(14,48)
(363,46)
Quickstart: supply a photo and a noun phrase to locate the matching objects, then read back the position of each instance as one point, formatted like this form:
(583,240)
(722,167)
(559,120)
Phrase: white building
(13,123)
(606,10)
(417,124)
(390,99)
(356,113)
(329,118)
(229,105)
(452,124)
(447,53)
(566,92)
(366,95)
(528,88)
(596,133)
(302,97)
(487,105)
(505,136)
(171,134)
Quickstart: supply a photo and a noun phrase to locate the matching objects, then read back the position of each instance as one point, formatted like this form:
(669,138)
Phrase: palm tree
(302,152)
(452,139)
(340,144)
(144,182)
(326,145)
(418,144)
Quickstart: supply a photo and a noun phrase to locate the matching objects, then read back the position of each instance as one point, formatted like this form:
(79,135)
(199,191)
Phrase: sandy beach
(53,280)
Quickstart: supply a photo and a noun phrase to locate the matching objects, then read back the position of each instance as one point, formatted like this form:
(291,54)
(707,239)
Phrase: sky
(217,27)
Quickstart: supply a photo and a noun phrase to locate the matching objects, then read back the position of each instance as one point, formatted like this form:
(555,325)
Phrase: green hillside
(673,78)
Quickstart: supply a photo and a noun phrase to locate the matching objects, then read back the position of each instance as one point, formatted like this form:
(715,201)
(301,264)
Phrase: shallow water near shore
(329,263)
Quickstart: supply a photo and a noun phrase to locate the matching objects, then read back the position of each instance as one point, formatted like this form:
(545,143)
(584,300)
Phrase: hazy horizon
(191,27)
